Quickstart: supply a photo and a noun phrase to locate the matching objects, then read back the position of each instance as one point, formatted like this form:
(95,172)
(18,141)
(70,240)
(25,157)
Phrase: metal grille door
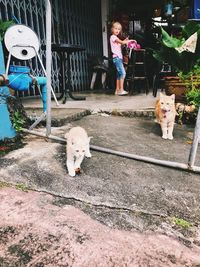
(74,22)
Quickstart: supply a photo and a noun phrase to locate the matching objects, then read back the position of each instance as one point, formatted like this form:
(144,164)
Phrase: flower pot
(174,85)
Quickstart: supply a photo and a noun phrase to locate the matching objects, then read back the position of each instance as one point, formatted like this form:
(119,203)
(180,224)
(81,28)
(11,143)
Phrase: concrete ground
(98,101)
(117,212)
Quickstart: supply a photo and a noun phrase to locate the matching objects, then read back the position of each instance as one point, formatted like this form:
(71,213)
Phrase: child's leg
(122,74)
(121,84)
(117,90)
(117,74)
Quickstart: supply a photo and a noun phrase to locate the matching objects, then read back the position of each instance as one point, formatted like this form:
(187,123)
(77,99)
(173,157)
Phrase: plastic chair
(99,67)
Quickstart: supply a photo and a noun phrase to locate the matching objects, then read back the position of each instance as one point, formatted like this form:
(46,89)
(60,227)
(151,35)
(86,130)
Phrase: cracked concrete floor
(124,194)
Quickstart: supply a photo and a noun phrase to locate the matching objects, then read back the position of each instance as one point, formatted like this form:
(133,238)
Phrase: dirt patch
(13,144)
(34,232)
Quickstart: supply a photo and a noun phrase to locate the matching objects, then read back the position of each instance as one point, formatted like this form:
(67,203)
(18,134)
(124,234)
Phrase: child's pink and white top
(115,47)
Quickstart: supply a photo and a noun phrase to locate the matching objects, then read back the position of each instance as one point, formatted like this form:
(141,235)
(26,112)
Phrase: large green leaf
(184,62)
(169,41)
(190,28)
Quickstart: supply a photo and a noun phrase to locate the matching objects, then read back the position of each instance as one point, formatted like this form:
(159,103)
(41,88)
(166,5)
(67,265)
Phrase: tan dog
(165,112)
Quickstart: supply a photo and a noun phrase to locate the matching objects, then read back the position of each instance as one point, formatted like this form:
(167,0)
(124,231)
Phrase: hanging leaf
(4,25)
(169,41)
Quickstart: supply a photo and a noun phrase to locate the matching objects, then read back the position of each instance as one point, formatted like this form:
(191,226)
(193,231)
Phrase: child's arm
(126,41)
(122,41)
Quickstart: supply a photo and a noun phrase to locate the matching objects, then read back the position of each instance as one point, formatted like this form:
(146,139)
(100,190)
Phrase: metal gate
(74,22)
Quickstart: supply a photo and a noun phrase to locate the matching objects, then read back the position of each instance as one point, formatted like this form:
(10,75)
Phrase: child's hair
(116,23)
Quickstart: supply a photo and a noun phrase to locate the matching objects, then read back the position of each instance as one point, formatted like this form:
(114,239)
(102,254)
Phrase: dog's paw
(170,137)
(164,137)
(72,173)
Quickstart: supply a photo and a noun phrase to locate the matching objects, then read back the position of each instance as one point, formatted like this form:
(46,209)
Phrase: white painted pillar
(104,17)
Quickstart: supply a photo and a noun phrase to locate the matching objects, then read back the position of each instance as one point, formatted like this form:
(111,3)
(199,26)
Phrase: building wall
(74,22)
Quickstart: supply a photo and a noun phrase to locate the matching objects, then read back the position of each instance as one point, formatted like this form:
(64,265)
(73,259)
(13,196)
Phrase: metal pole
(48,66)
(52,91)
(165,163)
(193,150)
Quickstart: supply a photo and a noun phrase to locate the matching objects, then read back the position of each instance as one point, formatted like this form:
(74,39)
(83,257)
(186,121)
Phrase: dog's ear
(161,95)
(172,97)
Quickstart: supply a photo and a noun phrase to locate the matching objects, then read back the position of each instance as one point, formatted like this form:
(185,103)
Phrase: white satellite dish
(21,42)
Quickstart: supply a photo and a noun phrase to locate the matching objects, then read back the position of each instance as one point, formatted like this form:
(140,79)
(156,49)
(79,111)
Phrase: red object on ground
(3,148)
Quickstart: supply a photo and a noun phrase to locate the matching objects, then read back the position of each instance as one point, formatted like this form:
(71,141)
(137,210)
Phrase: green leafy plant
(193,97)
(181,222)
(4,25)
(21,187)
(195,72)
(184,62)
(18,121)
(180,117)
(192,81)
(4,184)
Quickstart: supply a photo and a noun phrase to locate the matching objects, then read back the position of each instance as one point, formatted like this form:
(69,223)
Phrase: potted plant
(187,112)
(183,55)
